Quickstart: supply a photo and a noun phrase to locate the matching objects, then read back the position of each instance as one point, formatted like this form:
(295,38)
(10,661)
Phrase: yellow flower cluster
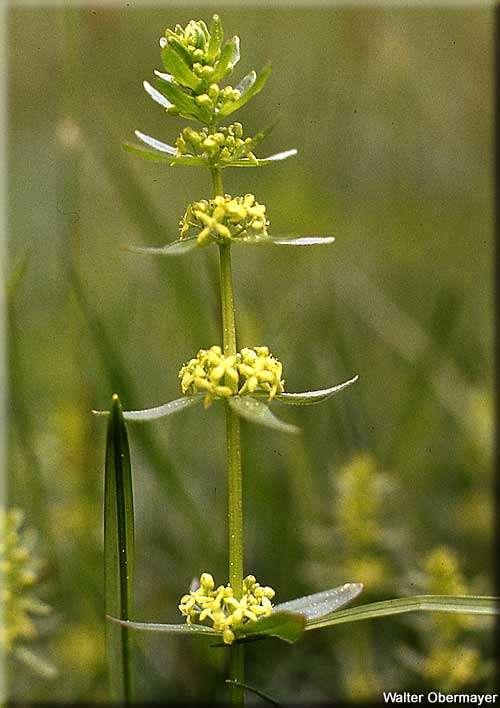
(194,45)
(220,607)
(194,39)
(18,575)
(249,371)
(224,218)
(223,146)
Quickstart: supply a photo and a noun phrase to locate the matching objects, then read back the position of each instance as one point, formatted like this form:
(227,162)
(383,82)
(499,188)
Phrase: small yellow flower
(249,371)
(224,218)
(222,609)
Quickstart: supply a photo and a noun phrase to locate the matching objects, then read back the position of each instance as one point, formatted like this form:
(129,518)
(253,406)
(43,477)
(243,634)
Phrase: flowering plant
(198,61)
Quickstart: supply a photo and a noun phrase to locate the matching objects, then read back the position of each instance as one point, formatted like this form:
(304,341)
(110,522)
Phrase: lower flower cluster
(249,371)
(219,606)
(224,218)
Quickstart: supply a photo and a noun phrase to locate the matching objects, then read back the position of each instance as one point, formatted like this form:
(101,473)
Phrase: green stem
(233,444)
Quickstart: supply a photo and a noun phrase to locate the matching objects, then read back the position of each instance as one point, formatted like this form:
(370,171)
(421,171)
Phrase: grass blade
(422,603)
(118,552)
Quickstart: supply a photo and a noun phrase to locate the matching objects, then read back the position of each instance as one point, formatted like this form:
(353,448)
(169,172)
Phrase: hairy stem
(233,445)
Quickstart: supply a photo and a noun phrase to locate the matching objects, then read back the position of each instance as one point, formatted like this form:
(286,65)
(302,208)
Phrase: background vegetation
(390,483)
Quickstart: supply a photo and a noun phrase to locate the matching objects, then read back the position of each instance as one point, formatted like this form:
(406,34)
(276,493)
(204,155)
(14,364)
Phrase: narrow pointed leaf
(284,625)
(278,156)
(303,240)
(258,412)
(257,86)
(118,551)
(159,411)
(156,95)
(309,398)
(188,161)
(176,248)
(179,69)
(229,57)
(418,603)
(162,76)
(147,153)
(192,629)
(321,603)
(246,82)
(155,144)
(216,38)
(175,45)
(185,104)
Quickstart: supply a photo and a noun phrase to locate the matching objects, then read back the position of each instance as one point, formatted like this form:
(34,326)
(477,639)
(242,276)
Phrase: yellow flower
(222,609)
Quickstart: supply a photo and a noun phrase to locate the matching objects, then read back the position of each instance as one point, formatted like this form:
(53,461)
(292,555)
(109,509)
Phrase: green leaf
(259,84)
(159,411)
(321,603)
(309,398)
(189,161)
(229,57)
(176,248)
(216,38)
(155,144)
(185,104)
(118,551)
(284,625)
(156,95)
(303,240)
(147,153)
(257,412)
(419,603)
(191,629)
(246,82)
(39,665)
(179,48)
(176,65)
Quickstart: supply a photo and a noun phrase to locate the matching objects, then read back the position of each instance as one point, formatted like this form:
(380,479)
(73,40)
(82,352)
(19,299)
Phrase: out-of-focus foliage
(20,570)
(394,160)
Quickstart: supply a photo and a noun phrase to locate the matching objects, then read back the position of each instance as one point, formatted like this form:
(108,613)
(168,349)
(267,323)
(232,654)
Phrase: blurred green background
(391,482)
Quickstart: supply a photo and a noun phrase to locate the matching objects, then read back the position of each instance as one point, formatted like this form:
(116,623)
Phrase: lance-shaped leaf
(287,626)
(185,104)
(283,625)
(156,95)
(476,605)
(320,604)
(257,412)
(257,86)
(155,144)
(309,398)
(147,153)
(229,57)
(252,89)
(216,38)
(186,629)
(118,551)
(176,248)
(159,411)
(278,156)
(176,45)
(246,82)
(189,161)
(177,66)
(302,240)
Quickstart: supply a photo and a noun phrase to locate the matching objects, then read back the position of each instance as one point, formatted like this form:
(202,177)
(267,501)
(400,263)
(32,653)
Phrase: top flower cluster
(197,60)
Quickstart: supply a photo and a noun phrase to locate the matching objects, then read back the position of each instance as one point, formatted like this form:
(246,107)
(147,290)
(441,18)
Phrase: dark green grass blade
(265,696)
(423,603)
(118,552)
